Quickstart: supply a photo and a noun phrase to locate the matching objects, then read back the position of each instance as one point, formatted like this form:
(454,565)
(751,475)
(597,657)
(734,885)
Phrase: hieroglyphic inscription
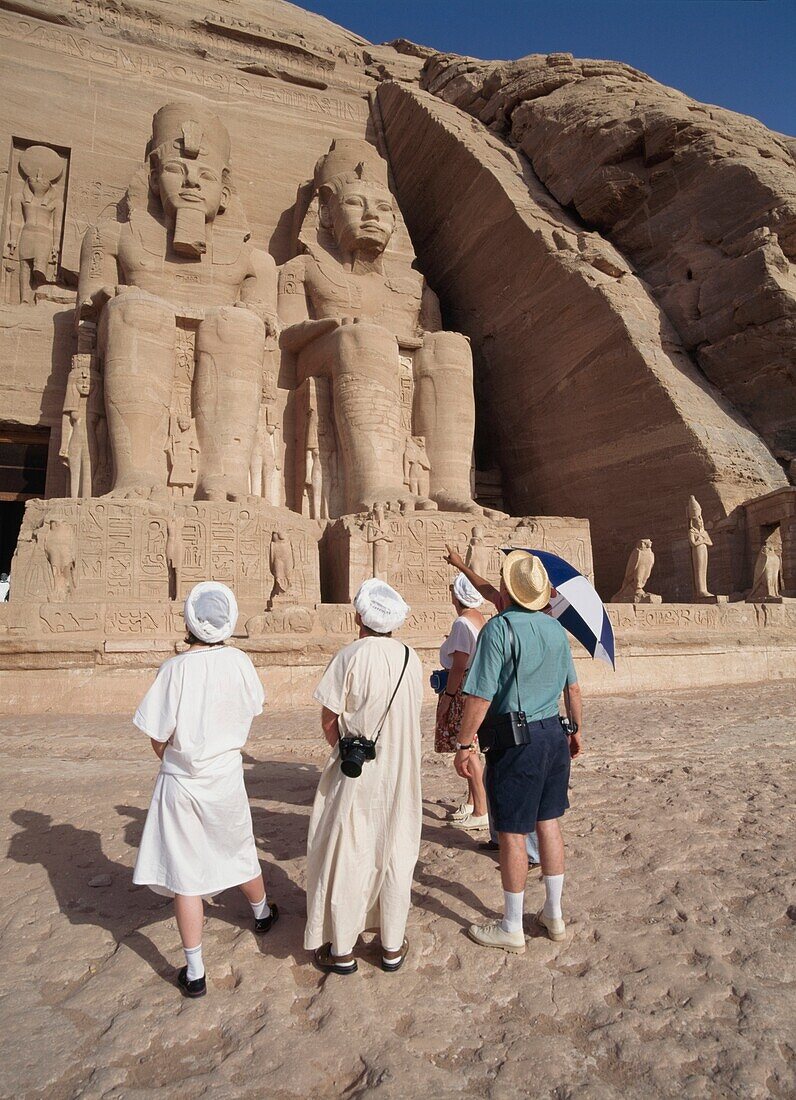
(123,548)
(417,541)
(153,66)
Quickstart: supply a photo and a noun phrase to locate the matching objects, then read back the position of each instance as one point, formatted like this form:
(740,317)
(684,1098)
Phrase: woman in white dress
(364,836)
(456,655)
(198,838)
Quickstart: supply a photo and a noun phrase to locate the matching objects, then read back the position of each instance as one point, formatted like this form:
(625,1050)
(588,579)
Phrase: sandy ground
(675,979)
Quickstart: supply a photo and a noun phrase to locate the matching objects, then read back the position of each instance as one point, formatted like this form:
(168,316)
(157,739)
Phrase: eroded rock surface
(700,199)
(584,382)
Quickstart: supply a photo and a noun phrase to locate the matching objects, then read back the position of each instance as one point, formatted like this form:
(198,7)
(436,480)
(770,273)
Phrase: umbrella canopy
(577,606)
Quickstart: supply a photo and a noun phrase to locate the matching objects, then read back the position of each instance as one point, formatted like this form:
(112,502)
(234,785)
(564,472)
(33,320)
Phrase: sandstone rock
(700,199)
(585,385)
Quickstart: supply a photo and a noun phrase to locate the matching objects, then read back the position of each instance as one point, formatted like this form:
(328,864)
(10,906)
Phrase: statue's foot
(449,502)
(425,504)
(138,488)
(390,496)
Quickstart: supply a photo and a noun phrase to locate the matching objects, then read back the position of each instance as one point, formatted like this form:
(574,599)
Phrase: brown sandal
(391,965)
(324,960)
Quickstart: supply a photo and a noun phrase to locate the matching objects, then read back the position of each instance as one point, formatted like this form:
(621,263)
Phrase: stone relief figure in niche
(265,465)
(478,553)
(60,546)
(75,450)
(637,574)
(417,469)
(349,307)
(379,538)
(699,540)
(281,564)
(36,220)
(767,581)
(183,455)
(183,252)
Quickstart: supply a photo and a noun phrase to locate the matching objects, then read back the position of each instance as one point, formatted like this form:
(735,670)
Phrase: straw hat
(526,580)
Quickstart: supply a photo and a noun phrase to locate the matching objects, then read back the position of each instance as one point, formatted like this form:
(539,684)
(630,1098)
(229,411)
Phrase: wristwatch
(459,747)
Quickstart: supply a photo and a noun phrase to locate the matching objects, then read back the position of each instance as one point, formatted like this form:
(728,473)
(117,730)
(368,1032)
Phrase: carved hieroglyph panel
(134,551)
(408,550)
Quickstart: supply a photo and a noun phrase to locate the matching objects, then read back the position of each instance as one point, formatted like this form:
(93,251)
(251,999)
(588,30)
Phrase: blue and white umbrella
(577,606)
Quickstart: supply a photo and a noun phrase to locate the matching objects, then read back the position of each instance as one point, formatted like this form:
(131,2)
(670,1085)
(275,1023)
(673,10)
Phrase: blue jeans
(531,842)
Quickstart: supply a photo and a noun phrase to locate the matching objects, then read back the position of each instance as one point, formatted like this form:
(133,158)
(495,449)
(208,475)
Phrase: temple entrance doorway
(23,471)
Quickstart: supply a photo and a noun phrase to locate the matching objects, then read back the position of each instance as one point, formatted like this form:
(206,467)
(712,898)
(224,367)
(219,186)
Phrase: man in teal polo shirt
(522,664)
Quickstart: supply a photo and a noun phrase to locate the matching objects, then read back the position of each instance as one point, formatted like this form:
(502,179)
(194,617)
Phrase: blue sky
(736,53)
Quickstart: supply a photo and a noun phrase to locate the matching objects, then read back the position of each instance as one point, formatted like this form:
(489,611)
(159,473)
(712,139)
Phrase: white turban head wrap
(466,593)
(211,612)
(380,607)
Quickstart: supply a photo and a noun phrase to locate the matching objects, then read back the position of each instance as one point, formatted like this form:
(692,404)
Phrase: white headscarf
(466,593)
(211,612)
(380,607)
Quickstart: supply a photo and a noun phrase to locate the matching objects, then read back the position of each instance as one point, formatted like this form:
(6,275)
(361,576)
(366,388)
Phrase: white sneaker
(492,935)
(554,926)
(460,812)
(472,822)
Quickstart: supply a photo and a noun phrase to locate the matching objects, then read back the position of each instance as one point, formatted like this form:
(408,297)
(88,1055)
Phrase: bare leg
(513,862)
(189,911)
(254,889)
(476,786)
(551,846)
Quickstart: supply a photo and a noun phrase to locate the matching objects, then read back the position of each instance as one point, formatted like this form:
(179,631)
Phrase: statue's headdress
(350,159)
(43,161)
(189,127)
(694,508)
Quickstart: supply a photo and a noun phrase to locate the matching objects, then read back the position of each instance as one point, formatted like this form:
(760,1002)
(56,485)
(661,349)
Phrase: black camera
(570,728)
(354,751)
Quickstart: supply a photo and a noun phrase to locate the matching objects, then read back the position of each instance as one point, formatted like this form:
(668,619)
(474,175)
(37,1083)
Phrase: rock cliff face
(582,382)
(702,201)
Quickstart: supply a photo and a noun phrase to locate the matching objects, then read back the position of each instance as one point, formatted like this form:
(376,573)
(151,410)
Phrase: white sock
(553,886)
(337,954)
(196,966)
(512,911)
(261,908)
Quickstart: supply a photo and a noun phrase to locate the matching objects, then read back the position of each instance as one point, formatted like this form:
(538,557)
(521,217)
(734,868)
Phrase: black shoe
(265,924)
(324,960)
(489,846)
(195,988)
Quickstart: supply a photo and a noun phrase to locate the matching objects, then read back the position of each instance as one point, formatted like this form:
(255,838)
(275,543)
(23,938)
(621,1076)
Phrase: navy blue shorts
(529,783)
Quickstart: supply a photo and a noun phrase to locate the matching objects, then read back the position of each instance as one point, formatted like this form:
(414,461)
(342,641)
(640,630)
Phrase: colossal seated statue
(182,258)
(353,313)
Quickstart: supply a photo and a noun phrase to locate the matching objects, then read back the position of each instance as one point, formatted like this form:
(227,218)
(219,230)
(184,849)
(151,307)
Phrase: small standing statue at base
(637,573)
(281,565)
(767,582)
(700,540)
(60,546)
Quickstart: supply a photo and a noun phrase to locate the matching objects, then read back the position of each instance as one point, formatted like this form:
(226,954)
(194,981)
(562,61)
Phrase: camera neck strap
(513,645)
(395,692)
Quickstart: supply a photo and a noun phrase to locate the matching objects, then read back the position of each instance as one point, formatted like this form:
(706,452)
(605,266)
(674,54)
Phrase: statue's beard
(190,231)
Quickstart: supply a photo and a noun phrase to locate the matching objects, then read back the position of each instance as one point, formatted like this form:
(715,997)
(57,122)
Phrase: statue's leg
(227,387)
(362,361)
(444,412)
(137,339)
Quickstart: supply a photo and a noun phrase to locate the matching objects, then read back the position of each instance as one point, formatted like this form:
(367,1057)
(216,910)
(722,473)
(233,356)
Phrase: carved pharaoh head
(189,160)
(355,202)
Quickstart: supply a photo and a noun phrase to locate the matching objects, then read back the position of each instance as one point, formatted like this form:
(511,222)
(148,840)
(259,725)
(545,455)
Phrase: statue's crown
(694,508)
(192,128)
(351,157)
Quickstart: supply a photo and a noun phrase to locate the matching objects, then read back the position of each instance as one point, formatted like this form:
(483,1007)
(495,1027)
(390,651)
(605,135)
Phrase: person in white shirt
(455,655)
(198,837)
(364,836)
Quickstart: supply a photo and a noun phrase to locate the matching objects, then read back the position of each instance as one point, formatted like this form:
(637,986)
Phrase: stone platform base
(659,647)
